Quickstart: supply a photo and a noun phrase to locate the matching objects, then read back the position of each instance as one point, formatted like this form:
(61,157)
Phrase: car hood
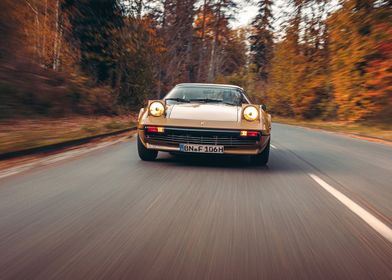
(204,112)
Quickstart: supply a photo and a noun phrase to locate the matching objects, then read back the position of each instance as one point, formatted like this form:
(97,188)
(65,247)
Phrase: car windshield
(230,96)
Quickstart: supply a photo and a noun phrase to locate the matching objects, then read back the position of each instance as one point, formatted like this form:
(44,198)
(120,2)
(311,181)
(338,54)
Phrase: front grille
(202,136)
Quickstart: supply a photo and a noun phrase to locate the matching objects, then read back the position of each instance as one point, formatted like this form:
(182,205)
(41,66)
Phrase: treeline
(90,56)
(330,63)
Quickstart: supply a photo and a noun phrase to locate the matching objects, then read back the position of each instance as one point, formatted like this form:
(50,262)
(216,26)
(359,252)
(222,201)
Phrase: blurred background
(73,68)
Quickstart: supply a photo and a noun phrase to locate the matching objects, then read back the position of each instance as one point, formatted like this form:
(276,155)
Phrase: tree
(262,39)
(223,11)
(94,24)
(177,34)
(202,23)
(299,81)
(233,50)
(353,49)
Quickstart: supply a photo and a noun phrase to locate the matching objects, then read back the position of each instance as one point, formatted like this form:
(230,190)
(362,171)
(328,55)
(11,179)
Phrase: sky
(246,15)
(249,11)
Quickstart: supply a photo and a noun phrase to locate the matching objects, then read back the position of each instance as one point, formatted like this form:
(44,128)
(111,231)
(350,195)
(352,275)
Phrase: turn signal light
(155,129)
(246,133)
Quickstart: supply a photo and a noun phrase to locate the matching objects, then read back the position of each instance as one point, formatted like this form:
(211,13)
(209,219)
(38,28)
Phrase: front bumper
(233,143)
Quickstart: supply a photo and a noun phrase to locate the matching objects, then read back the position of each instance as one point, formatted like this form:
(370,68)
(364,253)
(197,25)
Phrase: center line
(371,220)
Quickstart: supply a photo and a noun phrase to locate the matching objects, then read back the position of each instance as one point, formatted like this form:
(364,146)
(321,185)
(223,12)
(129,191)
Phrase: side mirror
(264,107)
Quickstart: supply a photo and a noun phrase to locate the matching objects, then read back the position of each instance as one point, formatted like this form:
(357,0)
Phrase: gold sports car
(204,118)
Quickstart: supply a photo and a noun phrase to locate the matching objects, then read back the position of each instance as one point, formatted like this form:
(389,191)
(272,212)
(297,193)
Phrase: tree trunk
(56,37)
(189,61)
(36,35)
(211,69)
(44,31)
(139,8)
(201,55)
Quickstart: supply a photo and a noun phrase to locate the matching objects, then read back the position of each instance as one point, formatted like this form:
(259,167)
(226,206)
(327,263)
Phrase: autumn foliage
(323,60)
(337,67)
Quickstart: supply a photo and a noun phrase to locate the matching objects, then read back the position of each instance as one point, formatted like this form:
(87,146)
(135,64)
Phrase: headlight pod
(250,113)
(156,109)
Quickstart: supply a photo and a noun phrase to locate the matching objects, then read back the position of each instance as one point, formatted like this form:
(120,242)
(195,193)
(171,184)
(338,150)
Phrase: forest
(326,59)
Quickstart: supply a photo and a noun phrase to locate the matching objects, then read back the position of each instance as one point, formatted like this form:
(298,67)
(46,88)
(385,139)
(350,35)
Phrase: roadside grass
(30,133)
(91,129)
(115,125)
(381,131)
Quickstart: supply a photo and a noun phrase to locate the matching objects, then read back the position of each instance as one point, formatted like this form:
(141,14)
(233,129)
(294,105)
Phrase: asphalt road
(108,215)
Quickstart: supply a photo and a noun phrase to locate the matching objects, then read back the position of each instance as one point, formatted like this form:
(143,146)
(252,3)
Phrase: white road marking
(56,158)
(13,171)
(371,220)
(273,147)
(154,202)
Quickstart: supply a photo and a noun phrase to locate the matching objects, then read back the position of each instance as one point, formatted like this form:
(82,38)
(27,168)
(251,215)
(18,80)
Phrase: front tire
(262,158)
(144,153)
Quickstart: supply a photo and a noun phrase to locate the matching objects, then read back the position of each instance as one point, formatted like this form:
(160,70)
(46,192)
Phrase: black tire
(144,153)
(262,158)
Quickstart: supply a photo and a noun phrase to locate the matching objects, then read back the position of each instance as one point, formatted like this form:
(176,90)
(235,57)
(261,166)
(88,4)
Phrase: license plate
(209,149)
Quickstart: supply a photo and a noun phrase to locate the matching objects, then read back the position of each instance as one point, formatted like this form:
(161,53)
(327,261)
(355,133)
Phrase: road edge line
(362,137)
(61,145)
(366,216)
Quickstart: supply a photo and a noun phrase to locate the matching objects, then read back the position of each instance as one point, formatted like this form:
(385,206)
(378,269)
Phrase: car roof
(207,85)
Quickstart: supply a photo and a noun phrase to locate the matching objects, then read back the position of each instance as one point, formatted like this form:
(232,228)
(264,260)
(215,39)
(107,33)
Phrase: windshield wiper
(179,99)
(208,100)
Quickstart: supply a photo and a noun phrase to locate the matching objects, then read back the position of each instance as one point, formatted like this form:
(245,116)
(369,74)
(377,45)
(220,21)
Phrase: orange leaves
(350,74)
(204,19)
(360,61)
(379,72)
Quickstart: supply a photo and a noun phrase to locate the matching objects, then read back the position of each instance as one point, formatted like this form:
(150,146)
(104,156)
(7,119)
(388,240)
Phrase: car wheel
(144,153)
(262,158)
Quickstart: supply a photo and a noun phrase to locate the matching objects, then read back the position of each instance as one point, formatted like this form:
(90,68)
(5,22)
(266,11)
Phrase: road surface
(322,209)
